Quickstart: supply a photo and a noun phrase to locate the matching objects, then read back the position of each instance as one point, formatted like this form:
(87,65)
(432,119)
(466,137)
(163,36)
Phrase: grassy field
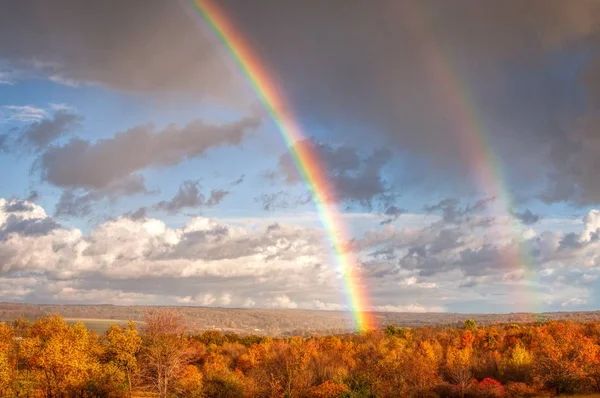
(97,325)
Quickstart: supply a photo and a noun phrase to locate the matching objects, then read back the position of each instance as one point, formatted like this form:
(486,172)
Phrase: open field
(270,321)
(97,325)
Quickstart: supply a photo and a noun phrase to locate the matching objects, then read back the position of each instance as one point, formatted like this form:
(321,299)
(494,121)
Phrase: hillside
(275,321)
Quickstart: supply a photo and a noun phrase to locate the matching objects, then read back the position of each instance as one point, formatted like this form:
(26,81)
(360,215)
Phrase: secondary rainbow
(474,141)
(307,162)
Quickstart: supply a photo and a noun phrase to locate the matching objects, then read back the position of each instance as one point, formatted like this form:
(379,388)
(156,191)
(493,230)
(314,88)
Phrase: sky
(460,141)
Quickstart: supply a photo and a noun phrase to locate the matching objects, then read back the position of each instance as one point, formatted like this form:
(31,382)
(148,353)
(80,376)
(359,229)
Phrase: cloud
(139,214)
(25,219)
(69,294)
(75,203)
(408,308)
(41,133)
(453,213)
(21,114)
(283,301)
(142,260)
(33,196)
(6,78)
(527,73)
(526,217)
(68,43)
(282,200)
(392,213)
(18,207)
(354,178)
(591,222)
(575,301)
(239,180)
(95,166)
(189,196)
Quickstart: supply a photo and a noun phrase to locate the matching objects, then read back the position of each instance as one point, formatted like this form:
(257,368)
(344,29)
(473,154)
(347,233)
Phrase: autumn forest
(160,358)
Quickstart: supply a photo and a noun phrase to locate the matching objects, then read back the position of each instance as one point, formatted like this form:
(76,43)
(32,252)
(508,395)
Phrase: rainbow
(474,140)
(307,162)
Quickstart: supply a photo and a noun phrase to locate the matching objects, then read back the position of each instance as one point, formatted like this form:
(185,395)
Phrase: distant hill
(275,321)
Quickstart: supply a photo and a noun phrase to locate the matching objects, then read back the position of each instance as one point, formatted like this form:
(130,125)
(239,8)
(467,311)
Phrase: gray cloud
(82,164)
(4,142)
(18,207)
(452,212)
(498,59)
(574,157)
(33,196)
(239,180)
(39,134)
(190,196)
(525,71)
(392,213)
(354,178)
(80,203)
(372,53)
(28,227)
(139,214)
(68,42)
(282,200)
(25,219)
(527,217)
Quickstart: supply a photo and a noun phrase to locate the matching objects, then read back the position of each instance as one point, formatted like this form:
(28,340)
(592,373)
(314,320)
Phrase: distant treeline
(50,358)
(277,322)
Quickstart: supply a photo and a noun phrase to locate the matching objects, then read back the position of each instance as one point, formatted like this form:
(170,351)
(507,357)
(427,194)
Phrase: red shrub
(489,387)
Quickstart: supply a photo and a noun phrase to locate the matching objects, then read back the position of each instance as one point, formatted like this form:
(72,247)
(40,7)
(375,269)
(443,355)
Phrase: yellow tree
(122,346)
(7,360)
(64,356)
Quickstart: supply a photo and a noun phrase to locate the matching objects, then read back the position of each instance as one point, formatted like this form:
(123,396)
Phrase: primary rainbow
(307,162)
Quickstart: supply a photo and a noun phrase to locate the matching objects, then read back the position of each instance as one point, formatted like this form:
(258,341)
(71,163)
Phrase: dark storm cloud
(423,77)
(190,196)
(514,66)
(139,45)
(95,166)
(576,168)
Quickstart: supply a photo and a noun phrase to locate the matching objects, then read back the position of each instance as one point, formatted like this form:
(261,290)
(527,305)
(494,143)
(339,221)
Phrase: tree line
(160,358)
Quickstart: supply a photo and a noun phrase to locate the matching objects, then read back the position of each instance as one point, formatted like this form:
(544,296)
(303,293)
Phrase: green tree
(469,324)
